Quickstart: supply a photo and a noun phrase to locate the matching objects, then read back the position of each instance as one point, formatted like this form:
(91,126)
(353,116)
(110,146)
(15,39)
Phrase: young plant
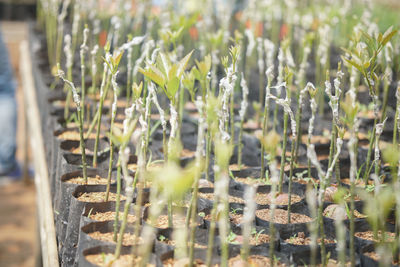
(301,83)
(168,76)
(68,65)
(285,103)
(104,87)
(242,114)
(77,101)
(271,142)
(351,107)
(270,76)
(122,140)
(396,127)
(199,160)
(364,58)
(112,63)
(248,218)
(311,197)
(334,101)
(324,180)
(83,49)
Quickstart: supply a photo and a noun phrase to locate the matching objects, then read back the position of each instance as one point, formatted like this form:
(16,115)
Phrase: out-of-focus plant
(242,114)
(271,142)
(324,181)
(351,108)
(364,57)
(167,76)
(270,76)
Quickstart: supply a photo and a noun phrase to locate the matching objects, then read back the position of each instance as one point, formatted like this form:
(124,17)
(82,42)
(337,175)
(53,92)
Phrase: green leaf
(172,87)
(163,64)
(354,64)
(117,59)
(154,75)
(182,64)
(388,35)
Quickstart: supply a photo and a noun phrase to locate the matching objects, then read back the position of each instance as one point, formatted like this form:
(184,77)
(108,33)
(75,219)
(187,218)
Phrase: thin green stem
(283,153)
(117,201)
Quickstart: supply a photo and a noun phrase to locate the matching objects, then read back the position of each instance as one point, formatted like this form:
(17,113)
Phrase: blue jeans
(8,112)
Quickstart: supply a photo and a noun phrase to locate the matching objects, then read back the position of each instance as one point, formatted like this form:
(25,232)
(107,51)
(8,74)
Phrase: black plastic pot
(162,247)
(364,226)
(367,261)
(285,229)
(301,254)
(72,230)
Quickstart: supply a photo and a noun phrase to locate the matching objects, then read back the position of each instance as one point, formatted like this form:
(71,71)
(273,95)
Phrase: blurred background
(18,234)
(19,243)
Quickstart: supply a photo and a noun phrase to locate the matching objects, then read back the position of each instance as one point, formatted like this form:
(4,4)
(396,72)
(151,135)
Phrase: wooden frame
(44,203)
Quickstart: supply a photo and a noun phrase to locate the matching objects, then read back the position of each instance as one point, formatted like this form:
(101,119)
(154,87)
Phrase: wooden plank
(45,209)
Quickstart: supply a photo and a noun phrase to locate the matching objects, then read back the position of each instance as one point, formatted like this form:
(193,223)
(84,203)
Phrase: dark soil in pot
(298,245)
(200,255)
(333,210)
(179,218)
(105,211)
(298,223)
(259,238)
(369,258)
(164,241)
(364,236)
(101,255)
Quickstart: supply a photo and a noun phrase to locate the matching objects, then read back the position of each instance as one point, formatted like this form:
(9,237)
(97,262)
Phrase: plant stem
(111,159)
(370,147)
(117,201)
(232,118)
(264,131)
(208,154)
(290,177)
(83,147)
(283,153)
(104,89)
(128,202)
(240,144)
(352,225)
(211,233)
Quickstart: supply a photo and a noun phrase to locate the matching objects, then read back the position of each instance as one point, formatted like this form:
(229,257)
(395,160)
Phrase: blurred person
(9,169)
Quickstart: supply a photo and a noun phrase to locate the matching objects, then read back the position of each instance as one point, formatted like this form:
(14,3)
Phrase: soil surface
(253,260)
(128,240)
(98,197)
(110,216)
(90,180)
(301,239)
(280,199)
(369,235)
(105,260)
(281,216)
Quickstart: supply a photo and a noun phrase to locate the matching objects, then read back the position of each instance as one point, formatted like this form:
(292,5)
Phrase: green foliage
(231,238)
(391,155)
(188,82)
(350,111)
(223,152)
(172,180)
(364,55)
(270,142)
(378,206)
(137,90)
(166,74)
